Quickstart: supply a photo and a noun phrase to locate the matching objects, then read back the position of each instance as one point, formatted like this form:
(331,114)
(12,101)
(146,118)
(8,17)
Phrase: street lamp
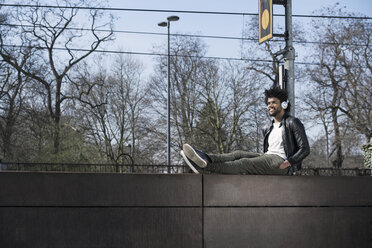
(167,24)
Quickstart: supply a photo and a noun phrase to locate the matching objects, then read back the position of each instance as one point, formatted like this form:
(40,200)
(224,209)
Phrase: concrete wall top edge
(238,190)
(175,190)
(93,189)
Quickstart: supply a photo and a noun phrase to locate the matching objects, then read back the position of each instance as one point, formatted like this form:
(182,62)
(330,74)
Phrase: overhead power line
(136,53)
(163,55)
(179,11)
(189,35)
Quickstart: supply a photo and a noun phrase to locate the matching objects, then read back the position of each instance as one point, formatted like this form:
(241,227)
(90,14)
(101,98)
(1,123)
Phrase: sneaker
(198,157)
(189,162)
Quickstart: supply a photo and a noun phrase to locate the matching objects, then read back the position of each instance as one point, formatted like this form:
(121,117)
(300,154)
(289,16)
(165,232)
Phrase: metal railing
(94,168)
(334,172)
(163,169)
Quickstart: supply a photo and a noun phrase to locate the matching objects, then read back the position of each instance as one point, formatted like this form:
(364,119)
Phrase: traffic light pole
(289,55)
(265,14)
(288,52)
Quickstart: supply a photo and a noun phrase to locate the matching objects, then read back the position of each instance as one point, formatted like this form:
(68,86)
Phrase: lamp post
(167,24)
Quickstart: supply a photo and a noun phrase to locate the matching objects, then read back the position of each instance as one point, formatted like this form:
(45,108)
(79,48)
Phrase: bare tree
(128,74)
(355,56)
(341,54)
(327,77)
(230,93)
(186,65)
(53,38)
(316,109)
(11,101)
(112,110)
(210,100)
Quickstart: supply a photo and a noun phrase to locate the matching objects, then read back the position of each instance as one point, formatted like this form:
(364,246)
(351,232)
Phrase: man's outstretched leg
(239,162)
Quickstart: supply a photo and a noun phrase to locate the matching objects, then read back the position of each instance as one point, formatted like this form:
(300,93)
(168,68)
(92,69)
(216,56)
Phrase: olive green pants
(242,162)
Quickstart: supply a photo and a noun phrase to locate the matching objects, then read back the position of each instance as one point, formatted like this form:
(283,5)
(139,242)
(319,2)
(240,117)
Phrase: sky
(199,24)
(205,24)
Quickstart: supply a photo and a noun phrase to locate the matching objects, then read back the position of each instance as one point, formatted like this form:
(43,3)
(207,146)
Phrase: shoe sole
(193,156)
(188,163)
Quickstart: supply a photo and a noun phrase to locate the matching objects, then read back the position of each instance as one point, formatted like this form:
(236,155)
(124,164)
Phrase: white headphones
(285,104)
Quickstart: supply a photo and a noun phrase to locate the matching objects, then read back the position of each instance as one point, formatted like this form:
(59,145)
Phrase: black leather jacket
(295,143)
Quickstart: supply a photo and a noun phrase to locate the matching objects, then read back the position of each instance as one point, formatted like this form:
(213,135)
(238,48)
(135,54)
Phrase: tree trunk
(337,161)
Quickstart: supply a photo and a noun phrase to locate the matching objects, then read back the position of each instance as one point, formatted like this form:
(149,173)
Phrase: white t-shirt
(276,141)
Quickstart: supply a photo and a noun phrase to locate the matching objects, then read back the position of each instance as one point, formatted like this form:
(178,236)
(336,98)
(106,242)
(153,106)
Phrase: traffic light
(265,20)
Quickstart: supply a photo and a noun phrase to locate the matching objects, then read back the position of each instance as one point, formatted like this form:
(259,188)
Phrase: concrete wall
(274,211)
(139,210)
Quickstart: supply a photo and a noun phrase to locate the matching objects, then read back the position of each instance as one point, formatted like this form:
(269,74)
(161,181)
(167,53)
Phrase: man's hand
(284,165)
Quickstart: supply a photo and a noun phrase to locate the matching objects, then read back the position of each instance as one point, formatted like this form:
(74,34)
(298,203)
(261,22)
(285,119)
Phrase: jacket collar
(282,122)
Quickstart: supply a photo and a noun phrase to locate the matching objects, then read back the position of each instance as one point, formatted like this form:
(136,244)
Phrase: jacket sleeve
(265,130)
(300,138)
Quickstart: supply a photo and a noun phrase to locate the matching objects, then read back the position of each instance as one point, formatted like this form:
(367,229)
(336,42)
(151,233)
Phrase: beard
(275,112)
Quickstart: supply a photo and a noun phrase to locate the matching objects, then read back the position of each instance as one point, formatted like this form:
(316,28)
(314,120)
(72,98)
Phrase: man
(285,145)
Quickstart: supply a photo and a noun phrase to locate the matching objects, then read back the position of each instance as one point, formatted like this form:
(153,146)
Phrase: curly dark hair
(279,93)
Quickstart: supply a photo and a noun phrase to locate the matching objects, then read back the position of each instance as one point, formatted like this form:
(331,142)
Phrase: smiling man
(285,145)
